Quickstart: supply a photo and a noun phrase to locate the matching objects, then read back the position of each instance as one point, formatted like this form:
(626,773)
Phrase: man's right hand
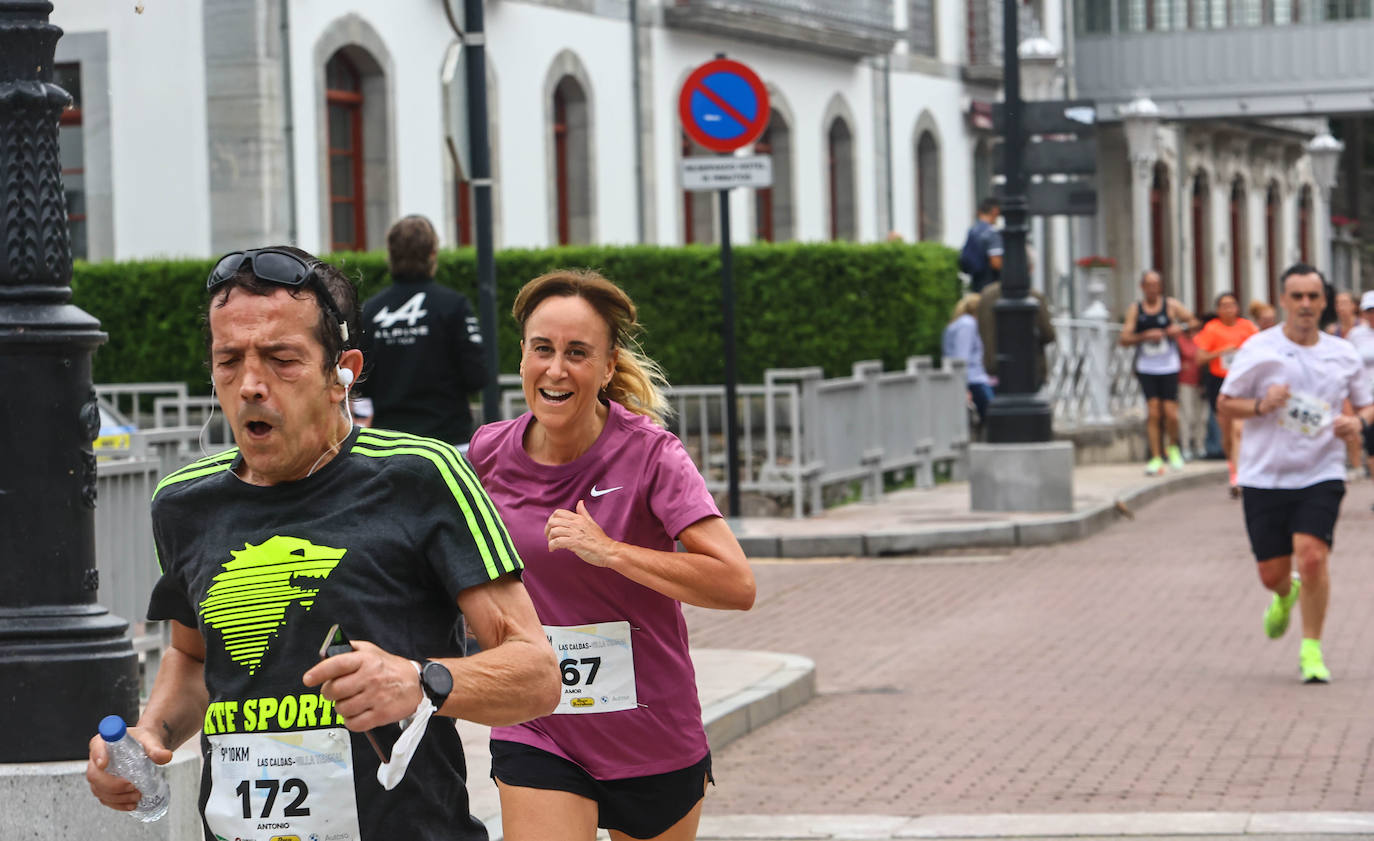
(116,792)
(1275,397)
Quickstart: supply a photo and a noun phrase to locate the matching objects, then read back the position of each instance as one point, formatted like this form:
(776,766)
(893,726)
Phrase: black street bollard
(65,662)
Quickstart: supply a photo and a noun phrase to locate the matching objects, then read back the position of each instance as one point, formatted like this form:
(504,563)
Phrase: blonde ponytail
(638,381)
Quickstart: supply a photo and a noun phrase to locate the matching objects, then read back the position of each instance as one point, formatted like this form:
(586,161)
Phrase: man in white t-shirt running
(1288,384)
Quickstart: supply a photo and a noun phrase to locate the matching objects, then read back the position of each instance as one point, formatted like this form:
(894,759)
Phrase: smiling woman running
(595,493)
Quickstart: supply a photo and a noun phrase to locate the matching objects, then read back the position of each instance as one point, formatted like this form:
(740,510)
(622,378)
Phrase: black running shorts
(640,807)
(1273,515)
(1158,386)
(1368,436)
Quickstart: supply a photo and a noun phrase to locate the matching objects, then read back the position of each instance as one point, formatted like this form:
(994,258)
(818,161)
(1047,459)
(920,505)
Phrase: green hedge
(826,304)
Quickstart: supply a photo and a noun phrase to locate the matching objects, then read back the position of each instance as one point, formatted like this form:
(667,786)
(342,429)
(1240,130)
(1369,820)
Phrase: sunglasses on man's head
(272,265)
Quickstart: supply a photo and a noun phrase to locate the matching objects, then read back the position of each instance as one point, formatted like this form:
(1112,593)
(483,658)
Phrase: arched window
(840,180)
(982,171)
(929,224)
(1305,225)
(347,196)
(1239,242)
(1159,225)
(572,162)
(1202,243)
(462,198)
(1272,241)
(698,208)
(773,205)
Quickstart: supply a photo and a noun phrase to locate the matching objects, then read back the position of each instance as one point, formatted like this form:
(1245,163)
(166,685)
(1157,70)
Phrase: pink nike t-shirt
(641,487)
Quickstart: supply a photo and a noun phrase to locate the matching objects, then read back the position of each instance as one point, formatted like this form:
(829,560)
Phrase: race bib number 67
(598,667)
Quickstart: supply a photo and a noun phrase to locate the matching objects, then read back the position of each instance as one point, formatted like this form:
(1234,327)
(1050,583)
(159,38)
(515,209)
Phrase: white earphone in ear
(345,376)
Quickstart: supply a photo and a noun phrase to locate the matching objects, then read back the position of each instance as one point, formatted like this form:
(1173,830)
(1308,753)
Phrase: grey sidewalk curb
(780,692)
(1004,534)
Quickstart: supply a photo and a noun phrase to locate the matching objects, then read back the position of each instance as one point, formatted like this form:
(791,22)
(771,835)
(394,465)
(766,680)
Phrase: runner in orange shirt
(1217,343)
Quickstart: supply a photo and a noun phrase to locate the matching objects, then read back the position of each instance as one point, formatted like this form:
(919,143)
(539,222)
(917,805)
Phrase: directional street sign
(1067,157)
(723,105)
(1063,116)
(708,172)
(1062,198)
(1060,140)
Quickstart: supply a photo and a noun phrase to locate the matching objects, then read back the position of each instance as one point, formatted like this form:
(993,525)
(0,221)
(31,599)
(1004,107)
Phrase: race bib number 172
(282,785)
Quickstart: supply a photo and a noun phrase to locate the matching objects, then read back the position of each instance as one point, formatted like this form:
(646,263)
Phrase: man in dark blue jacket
(421,342)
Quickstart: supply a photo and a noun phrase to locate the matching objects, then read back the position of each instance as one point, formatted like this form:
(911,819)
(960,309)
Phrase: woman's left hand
(577,532)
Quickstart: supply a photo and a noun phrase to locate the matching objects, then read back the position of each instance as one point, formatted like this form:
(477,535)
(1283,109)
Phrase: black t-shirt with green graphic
(380,540)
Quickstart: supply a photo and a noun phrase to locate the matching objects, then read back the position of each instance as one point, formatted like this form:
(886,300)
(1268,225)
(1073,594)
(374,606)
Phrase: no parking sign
(723,105)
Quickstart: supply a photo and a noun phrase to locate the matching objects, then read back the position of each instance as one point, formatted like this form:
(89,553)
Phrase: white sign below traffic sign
(724,172)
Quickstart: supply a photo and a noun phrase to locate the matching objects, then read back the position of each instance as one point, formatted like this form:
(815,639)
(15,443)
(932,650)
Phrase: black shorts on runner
(640,807)
(1368,435)
(1272,515)
(1158,386)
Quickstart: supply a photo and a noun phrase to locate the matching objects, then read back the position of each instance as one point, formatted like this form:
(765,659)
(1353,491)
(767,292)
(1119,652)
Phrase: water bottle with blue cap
(128,760)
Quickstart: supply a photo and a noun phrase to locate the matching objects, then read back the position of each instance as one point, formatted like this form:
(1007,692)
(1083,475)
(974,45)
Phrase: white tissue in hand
(390,773)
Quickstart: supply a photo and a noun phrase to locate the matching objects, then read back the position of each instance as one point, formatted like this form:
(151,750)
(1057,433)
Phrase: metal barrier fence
(801,433)
(130,399)
(125,559)
(1091,376)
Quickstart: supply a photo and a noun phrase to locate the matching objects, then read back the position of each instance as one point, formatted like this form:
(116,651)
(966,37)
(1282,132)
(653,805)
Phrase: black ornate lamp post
(64,661)
(1017,414)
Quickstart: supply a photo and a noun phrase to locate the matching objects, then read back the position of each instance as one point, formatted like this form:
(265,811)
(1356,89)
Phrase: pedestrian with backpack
(981,256)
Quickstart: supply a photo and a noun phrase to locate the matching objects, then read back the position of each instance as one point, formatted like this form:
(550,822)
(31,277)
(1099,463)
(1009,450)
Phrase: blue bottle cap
(112,728)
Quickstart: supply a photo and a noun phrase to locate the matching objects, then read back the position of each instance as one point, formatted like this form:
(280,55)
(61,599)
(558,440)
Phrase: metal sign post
(724,107)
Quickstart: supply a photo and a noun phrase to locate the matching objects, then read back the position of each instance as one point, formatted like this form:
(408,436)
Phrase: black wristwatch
(436,681)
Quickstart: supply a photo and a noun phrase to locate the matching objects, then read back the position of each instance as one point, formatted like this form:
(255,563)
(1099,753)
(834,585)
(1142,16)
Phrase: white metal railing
(129,399)
(801,433)
(1091,376)
(125,558)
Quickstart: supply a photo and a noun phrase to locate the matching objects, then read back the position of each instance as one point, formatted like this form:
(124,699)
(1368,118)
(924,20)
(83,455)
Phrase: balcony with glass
(1227,58)
(850,28)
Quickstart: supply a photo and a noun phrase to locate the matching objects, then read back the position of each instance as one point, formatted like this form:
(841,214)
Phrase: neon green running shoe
(1154,467)
(1310,660)
(1276,617)
(1175,458)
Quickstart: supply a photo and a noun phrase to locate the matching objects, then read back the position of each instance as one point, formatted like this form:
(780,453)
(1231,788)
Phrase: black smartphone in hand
(335,643)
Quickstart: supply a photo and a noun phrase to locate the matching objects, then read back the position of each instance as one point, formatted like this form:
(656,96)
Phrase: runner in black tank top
(1151,327)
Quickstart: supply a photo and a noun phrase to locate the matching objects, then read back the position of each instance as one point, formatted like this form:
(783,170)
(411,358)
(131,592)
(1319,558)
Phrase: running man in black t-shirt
(310,522)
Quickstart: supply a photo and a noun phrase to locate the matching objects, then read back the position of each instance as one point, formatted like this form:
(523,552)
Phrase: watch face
(438,681)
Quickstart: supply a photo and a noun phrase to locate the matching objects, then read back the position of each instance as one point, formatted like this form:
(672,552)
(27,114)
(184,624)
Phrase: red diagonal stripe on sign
(724,106)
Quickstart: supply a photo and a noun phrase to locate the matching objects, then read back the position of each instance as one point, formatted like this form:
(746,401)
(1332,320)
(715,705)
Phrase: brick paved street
(1124,673)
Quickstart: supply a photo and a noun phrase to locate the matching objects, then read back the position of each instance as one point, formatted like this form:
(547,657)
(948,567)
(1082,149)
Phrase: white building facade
(1230,188)
(207,125)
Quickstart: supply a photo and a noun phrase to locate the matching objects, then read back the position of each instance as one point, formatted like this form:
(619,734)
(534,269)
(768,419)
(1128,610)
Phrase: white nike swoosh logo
(596,493)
